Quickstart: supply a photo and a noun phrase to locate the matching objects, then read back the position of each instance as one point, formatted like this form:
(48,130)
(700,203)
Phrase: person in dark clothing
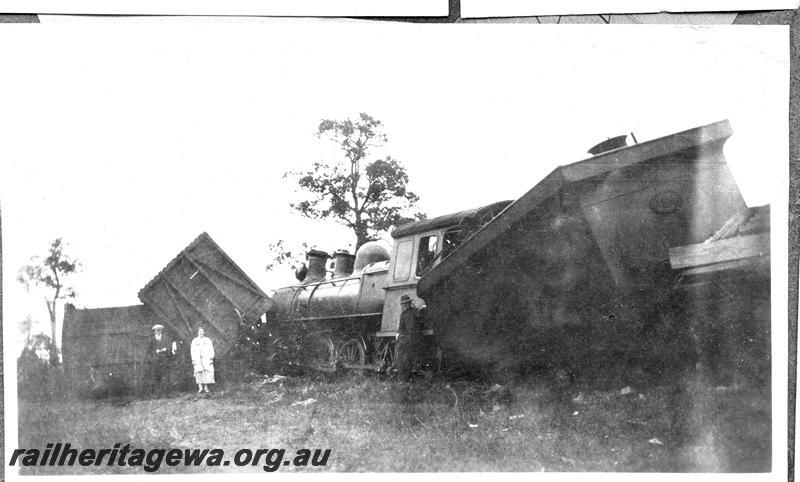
(159,355)
(408,339)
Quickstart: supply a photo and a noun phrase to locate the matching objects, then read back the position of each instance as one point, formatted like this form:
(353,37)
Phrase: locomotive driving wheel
(388,355)
(352,353)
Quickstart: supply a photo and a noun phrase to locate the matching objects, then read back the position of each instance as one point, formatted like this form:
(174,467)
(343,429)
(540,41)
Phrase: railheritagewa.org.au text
(151,460)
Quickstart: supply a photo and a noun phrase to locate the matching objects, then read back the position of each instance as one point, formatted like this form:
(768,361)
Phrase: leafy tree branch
(367,197)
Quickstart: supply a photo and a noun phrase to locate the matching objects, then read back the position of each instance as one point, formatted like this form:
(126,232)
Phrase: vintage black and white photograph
(311,246)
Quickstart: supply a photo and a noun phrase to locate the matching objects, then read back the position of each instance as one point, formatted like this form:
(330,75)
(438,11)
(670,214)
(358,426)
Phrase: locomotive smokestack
(609,145)
(344,264)
(316,265)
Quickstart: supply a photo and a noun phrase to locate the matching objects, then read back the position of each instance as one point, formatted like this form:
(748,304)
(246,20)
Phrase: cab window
(426,254)
(402,260)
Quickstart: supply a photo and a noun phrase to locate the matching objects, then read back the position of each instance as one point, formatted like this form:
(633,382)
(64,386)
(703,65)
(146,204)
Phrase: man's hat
(405,299)
(158,327)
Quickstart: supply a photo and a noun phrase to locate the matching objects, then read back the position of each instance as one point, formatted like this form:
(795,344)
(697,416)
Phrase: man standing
(408,339)
(159,354)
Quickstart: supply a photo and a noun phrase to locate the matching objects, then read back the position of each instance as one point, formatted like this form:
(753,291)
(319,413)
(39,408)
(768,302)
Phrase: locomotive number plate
(666,202)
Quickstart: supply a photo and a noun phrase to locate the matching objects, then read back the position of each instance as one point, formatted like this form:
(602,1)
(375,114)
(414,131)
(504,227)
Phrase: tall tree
(50,272)
(367,197)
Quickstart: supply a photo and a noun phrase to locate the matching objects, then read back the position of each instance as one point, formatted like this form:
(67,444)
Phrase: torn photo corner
(586,272)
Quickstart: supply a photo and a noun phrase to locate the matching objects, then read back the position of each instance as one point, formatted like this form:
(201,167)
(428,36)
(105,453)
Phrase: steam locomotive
(579,266)
(352,314)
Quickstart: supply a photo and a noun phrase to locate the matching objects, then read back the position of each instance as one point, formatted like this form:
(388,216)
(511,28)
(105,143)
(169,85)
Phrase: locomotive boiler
(576,269)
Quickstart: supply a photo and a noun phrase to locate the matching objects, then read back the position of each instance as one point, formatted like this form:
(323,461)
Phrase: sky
(128,145)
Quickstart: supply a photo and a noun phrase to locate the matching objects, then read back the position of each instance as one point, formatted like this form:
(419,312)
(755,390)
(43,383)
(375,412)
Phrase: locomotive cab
(413,256)
(418,247)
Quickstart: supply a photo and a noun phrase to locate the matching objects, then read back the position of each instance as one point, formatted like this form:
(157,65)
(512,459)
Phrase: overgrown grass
(375,425)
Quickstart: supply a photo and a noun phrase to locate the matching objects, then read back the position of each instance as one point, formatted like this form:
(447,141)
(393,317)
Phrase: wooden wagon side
(576,268)
(106,348)
(203,287)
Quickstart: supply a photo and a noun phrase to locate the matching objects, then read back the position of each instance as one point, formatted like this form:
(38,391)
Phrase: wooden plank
(739,264)
(175,304)
(197,310)
(143,330)
(208,278)
(722,251)
(236,267)
(194,251)
(200,265)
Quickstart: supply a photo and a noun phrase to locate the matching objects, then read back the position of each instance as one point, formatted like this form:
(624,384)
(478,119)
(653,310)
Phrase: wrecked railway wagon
(203,287)
(106,347)
(576,269)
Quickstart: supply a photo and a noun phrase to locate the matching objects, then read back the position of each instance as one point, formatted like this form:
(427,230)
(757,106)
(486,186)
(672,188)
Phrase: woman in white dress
(203,361)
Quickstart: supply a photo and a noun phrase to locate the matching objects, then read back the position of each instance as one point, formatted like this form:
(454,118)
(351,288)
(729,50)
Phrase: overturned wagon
(105,349)
(578,268)
(203,287)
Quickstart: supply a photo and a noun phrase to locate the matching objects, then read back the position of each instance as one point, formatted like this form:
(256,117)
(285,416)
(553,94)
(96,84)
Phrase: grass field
(376,425)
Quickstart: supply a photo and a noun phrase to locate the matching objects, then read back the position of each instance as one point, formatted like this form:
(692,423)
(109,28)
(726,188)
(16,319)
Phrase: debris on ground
(655,441)
(626,391)
(272,379)
(514,417)
(472,425)
(305,402)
